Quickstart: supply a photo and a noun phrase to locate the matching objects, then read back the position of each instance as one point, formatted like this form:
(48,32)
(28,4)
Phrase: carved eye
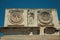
(45,13)
(14,15)
(38,11)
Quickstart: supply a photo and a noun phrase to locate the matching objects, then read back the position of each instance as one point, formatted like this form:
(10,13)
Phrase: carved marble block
(31,24)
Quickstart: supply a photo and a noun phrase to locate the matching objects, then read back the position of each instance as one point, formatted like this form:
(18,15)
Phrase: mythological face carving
(45,17)
(16,16)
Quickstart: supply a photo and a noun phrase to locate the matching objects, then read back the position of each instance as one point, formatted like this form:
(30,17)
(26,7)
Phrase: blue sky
(27,4)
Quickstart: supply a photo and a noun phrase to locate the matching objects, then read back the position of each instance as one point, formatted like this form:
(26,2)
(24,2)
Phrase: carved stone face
(45,16)
(16,17)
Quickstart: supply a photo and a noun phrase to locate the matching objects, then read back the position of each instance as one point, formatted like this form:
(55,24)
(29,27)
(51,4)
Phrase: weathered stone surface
(30,37)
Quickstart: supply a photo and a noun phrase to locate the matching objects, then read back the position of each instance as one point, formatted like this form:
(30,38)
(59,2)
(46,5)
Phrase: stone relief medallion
(16,16)
(45,16)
